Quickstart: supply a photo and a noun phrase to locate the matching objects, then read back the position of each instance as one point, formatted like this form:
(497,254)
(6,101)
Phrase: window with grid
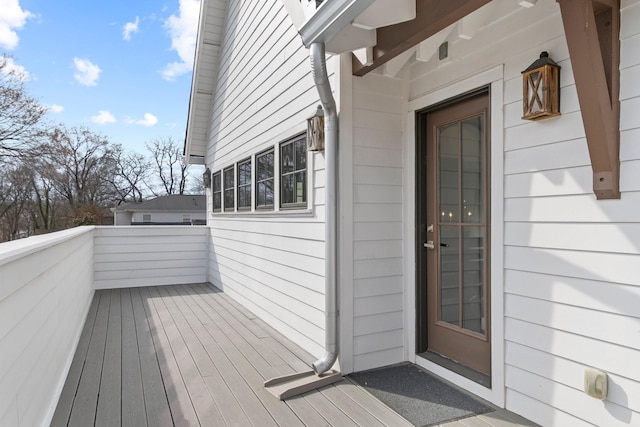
(217,191)
(293,173)
(264,179)
(244,185)
(228,188)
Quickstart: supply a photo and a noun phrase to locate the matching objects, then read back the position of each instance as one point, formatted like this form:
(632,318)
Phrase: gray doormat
(419,397)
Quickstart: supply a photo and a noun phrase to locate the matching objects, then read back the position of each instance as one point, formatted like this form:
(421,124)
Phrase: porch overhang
(432,16)
(330,19)
(591,28)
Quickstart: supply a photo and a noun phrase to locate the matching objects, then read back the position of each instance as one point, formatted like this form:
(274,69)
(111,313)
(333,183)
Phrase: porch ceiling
(432,16)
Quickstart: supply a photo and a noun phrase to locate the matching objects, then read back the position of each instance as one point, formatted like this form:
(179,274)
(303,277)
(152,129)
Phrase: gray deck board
(332,413)
(252,410)
(195,393)
(109,404)
(188,355)
(155,396)
(182,411)
(65,403)
(83,412)
(356,412)
(133,405)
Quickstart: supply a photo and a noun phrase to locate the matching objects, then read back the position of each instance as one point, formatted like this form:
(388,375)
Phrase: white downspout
(321,78)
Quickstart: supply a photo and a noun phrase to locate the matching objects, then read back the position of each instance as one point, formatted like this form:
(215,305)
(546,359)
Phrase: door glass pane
(448,153)
(473,315)
(472,173)
(449,275)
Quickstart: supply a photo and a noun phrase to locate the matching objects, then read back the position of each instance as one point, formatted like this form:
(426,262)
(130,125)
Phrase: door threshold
(465,371)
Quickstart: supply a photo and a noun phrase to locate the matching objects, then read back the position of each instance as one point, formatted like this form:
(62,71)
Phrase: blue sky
(121,68)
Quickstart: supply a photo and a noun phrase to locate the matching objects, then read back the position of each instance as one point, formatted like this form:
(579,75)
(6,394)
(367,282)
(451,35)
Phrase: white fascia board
(330,19)
(194,160)
(194,82)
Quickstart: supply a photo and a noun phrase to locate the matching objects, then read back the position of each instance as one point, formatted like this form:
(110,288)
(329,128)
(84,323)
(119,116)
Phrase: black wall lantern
(541,89)
(315,131)
(206,178)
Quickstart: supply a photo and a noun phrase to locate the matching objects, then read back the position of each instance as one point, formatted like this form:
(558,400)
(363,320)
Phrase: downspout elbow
(323,365)
(321,79)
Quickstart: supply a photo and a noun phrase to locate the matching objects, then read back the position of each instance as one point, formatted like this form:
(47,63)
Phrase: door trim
(494,78)
(441,337)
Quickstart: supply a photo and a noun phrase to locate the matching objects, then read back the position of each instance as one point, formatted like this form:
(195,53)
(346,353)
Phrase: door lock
(430,228)
(429,244)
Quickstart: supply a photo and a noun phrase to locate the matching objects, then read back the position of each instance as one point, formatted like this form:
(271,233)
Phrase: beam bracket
(592,29)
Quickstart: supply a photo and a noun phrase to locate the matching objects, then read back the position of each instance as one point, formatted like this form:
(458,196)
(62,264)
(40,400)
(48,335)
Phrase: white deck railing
(46,286)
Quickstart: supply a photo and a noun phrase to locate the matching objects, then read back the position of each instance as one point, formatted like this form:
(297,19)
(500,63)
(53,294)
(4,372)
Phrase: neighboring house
(173,209)
(464,233)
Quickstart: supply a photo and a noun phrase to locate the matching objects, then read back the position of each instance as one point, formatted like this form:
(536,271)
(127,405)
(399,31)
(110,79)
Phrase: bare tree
(44,208)
(131,171)
(170,170)
(15,198)
(79,164)
(21,116)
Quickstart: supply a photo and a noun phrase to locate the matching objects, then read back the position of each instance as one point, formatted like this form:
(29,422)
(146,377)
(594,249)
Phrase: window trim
(215,192)
(240,187)
(225,189)
(270,207)
(295,205)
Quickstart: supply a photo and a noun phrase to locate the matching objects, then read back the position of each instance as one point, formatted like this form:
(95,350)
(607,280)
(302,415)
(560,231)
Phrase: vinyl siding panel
(270,261)
(378,327)
(45,293)
(149,256)
(570,261)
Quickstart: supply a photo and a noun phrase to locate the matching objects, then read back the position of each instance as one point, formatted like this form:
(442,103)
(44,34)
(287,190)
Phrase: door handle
(429,244)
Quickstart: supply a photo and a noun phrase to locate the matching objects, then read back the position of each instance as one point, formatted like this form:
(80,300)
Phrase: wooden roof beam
(432,16)
(592,30)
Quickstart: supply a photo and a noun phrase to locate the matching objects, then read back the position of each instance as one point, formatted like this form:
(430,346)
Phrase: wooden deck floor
(189,355)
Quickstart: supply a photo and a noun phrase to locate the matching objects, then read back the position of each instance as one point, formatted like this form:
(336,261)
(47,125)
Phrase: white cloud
(55,108)
(148,120)
(129,28)
(87,73)
(183,30)
(175,69)
(103,117)
(10,68)
(12,18)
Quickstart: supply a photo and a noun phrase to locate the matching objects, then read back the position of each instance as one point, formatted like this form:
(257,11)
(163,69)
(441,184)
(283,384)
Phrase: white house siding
(572,271)
(571,278)
(122,218)
(165,217)
(272,262)
(378,103)
(149,256)
(45,293)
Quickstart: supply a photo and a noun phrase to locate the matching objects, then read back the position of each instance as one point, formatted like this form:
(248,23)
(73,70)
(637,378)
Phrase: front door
(454,237)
